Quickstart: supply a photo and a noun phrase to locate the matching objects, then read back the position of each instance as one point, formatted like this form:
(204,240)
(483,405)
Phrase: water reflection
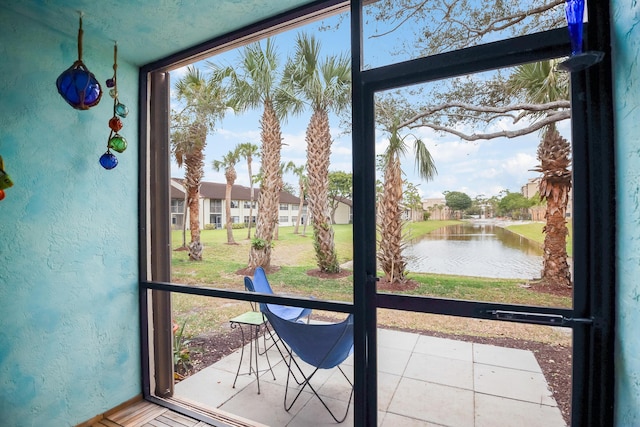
(481,250)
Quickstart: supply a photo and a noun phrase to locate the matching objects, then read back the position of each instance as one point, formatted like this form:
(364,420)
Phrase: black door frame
(591,317)
(594,190)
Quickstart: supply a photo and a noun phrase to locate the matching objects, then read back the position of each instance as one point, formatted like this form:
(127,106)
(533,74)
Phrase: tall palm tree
(252,83)
(228,163)
(390,257)
(326,85)
(540,83)
(203,104)
(248,150)
(299,172)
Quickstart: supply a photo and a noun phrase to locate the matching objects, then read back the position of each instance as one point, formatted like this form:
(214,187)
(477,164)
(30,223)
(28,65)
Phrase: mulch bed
(555,361)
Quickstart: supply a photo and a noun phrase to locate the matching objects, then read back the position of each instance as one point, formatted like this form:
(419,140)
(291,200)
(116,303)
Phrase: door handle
(539,318)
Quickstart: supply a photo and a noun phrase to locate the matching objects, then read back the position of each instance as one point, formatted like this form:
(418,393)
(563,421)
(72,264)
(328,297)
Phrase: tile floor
(422,381)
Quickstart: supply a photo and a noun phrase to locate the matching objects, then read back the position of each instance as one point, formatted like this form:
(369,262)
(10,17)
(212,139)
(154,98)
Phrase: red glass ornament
(115,124)
(2,194)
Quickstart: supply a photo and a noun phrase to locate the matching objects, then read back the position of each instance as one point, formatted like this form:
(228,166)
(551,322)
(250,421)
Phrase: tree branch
(549,106)
(415,10)
(552,118)
(504,22)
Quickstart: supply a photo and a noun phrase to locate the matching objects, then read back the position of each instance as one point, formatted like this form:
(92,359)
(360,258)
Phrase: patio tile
(230,362)
(392,361)
(387,385)
(422,381)
(266,407)
(433,403)
(498,411)
(213,387)
(395,420)
(512,383)
(440,370)
(505,357)
(280,372)
(397,339)
(444,347)
(336,386)
(314,414)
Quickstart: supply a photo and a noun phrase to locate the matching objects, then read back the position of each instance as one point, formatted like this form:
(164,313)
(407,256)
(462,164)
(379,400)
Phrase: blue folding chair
(261,284)
(323,346)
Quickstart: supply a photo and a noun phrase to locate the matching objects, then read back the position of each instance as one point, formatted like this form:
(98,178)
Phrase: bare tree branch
(552,118)
(505,22)
(402,21)
(564,104)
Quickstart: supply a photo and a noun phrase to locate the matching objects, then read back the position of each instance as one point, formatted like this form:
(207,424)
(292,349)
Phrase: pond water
(481,250)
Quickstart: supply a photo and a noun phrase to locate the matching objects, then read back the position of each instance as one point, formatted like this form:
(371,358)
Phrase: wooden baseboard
(102,416)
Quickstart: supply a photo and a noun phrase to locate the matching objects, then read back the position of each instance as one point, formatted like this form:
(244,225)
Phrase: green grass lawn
(533,231)
(294,254)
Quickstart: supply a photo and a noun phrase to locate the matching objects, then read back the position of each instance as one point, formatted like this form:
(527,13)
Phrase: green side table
(253,322)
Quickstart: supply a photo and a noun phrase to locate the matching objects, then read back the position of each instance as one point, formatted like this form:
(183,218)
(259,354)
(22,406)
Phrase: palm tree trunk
(555,185)
(194,171)
(229,223)
(300,206)
(318,152)
(390,259)
(251,196)
(271,136)
(184,221)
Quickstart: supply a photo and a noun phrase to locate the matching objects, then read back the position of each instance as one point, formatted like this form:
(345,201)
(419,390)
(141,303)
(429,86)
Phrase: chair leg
(306,383)
(282,351)
(264,352)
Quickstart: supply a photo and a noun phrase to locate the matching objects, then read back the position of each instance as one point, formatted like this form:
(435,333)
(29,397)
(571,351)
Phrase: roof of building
(216,190)
(344,200)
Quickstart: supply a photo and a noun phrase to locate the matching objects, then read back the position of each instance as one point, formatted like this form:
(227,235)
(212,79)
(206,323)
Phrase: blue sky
(476,168)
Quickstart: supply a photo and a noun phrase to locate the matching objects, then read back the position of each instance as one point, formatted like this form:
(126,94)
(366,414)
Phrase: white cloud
(451,151)
(520,164)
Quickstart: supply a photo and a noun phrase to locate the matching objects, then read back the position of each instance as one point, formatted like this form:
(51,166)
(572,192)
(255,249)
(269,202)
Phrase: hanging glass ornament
(108,160)
(77,85)
(579,60)
(118,143)
(115,142)
(121,110)
(115,124)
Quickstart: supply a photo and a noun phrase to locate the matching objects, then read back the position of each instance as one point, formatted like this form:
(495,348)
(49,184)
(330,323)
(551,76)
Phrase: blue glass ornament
(108,160)
(579,60)
(77,85)
(121,110)
(574,10)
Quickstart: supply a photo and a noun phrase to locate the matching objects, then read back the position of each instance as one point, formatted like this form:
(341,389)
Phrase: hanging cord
(115,77)
(115,64)
(80,34)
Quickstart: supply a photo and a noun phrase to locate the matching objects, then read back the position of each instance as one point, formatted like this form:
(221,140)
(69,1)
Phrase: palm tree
(228,163)
(203,104)
(390,257)
(540,83)
(248,150)
(252,83)
(326,86)
(299,172)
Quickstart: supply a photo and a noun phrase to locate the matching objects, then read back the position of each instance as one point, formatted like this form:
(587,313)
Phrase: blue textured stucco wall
(626,57)
(69,333)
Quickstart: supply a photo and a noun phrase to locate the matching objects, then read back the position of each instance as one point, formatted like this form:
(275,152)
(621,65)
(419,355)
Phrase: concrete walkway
(422,381)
